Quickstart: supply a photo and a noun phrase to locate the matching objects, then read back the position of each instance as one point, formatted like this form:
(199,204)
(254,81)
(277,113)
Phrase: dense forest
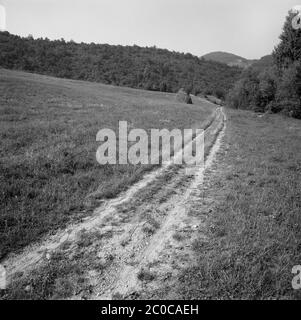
(131,66)
(274,85)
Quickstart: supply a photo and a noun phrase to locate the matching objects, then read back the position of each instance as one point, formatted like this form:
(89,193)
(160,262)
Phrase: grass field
(48,172)
(254,225)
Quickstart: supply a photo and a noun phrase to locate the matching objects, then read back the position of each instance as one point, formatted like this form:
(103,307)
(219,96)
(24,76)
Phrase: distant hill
(264,62)
(228,59)
(131,66)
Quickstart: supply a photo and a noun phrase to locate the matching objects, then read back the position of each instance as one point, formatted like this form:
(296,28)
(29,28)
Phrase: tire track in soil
(148,261)
(142,250)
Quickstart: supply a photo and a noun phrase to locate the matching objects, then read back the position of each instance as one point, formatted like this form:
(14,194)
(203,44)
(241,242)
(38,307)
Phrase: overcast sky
(247,28)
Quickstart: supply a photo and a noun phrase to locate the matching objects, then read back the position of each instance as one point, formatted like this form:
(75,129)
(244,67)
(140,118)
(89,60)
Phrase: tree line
(276,87)
(147,68)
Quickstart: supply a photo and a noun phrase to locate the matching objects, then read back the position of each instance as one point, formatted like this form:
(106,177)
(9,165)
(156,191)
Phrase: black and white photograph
(150,151)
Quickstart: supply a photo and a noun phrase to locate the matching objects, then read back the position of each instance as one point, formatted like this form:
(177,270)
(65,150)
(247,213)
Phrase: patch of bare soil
(138,241)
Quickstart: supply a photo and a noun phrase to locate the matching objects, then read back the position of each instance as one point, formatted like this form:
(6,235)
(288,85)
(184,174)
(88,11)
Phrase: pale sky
(2,18)
(247,28)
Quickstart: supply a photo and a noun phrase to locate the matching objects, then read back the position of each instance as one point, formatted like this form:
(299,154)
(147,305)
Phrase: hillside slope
(131,66)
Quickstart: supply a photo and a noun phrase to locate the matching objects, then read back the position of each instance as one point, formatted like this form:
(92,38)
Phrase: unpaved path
(141,239)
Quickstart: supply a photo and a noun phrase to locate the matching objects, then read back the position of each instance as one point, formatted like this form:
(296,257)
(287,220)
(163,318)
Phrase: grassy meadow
(254,225)
(48,172)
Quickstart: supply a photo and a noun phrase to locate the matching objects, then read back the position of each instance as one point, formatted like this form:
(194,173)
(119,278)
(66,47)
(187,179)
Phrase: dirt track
(142,238)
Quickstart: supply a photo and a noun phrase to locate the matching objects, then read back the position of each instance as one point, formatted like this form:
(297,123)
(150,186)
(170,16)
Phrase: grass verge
(254,227)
